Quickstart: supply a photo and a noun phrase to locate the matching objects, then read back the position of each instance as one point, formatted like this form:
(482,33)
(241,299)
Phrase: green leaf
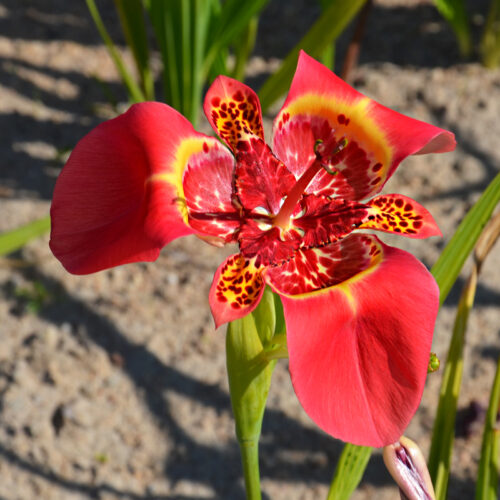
(325,30)
(134,91)
(349,471)
(233,19)
(455,14)
(450,262)
(132,20)
(490,43)
(487,477)
(243,47)
(17,238)
(444,424)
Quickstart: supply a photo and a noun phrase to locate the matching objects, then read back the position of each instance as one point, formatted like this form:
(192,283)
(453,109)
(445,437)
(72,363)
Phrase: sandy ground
(113,386)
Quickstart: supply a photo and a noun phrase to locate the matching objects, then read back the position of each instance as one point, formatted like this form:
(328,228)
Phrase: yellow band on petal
(173,173)
(349,120)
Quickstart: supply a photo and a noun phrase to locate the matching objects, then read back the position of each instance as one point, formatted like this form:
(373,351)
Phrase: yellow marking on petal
(240,282)
(174,175)
(359,126)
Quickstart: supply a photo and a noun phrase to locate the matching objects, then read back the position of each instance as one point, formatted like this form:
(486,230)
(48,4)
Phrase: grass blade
(132,20)
(324,31)
(244,47)
(487,478)
(490,43)
(234,17)
(455,14)
(444,425)
(133,89)
(11,241)
(349,471)
(451,260)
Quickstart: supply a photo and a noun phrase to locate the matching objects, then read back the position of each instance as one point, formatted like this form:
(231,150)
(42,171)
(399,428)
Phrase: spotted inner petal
(324,221)
(312,269)
(261,180)
(233,110)
(395,213)
(207,187)
(240,282)
(269,246)
(362,165)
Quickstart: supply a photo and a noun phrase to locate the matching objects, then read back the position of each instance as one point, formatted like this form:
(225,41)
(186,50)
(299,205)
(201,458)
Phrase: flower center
(322,161)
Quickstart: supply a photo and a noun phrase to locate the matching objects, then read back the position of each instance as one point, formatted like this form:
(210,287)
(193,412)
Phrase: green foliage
(444,424)
(490,43)
(451,260)
(133,89)
(487,478)
(349,471)
(131,14)
(249,376)
(454,12)
(322,34)
(11,241)
(33,297)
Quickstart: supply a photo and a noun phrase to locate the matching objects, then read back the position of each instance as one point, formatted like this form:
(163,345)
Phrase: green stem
(249,374)
(249,449)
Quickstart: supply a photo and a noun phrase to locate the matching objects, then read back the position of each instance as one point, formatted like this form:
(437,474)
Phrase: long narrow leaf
(17,238)
(325,30)
(490,43)
(132,20)
(455,13)
(233,19)
(487,477)
(444,425)
(451,260)
(349,471)
(134,91)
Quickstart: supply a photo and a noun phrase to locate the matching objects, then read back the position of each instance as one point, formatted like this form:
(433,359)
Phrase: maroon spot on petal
(408,207)
(377,167)
(417,224)
(341,118)
(205,147)
(238,96)
(399,203)
(216,102)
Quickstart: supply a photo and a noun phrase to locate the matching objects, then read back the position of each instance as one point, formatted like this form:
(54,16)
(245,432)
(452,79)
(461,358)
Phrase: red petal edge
(359,350)
(105,212)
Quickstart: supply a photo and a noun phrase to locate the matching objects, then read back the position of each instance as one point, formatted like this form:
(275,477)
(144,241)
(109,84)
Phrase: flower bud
(407,466)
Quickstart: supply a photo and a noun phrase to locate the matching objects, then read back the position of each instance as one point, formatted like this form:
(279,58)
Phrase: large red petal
(120,196)
(359,350)
(324,107)
(233,110)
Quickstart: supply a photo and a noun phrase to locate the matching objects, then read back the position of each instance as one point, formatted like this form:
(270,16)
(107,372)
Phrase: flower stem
(249,449)
(249,375)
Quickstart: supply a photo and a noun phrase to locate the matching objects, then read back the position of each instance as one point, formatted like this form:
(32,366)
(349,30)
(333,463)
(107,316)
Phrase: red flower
(359,314)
